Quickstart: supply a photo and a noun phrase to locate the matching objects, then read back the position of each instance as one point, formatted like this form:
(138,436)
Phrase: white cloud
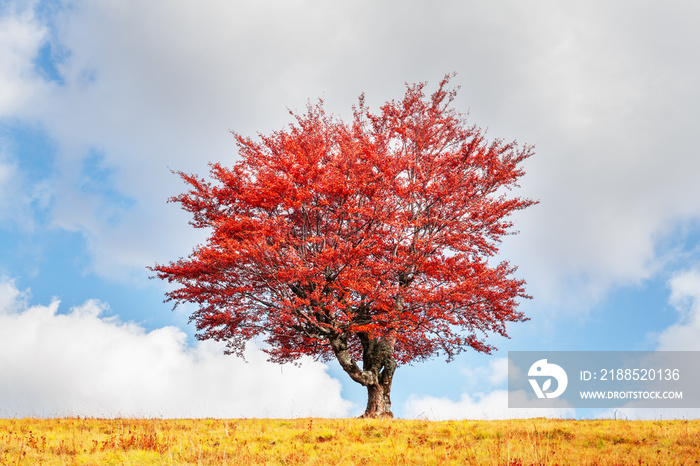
(7,173)
(609,102)
(19,198)
(491,403)
(494,374)
(14,202)
(20,38)
(11,299)
(487,405)
(84,363)
(685,297)
(606,92)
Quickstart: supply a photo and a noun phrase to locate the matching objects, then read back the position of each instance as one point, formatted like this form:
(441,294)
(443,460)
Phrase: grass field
(347,441)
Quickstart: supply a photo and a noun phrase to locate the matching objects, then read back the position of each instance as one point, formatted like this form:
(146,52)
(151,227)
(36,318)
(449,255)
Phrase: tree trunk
(378,358)
(378,402)
(377,373)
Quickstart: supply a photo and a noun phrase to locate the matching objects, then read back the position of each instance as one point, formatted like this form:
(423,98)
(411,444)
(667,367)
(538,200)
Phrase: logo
(542,368)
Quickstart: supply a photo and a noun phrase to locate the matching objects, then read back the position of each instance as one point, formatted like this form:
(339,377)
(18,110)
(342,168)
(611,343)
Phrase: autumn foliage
(366,241)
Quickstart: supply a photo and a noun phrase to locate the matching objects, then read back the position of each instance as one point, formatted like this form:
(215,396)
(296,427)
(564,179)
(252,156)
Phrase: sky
(101,100)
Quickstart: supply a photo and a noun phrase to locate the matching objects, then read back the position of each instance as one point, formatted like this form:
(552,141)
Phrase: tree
(364,241)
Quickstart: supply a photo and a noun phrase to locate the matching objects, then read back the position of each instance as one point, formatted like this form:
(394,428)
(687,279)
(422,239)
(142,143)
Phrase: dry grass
(346,441)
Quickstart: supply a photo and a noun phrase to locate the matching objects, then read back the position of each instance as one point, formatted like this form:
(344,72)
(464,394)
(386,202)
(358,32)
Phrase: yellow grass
(347,441)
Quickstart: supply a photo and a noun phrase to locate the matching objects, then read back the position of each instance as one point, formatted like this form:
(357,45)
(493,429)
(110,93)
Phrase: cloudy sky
(99,100)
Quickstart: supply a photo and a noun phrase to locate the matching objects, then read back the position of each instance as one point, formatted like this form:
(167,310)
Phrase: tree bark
(378,402)
(377,373)
(378,358)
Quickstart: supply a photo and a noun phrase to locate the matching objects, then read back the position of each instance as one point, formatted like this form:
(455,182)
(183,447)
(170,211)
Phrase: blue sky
(100,100)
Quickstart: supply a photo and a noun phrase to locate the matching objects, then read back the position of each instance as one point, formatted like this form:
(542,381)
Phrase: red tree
(365,241)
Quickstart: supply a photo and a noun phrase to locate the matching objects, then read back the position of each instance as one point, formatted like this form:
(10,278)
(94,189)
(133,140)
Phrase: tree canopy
(372,240)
